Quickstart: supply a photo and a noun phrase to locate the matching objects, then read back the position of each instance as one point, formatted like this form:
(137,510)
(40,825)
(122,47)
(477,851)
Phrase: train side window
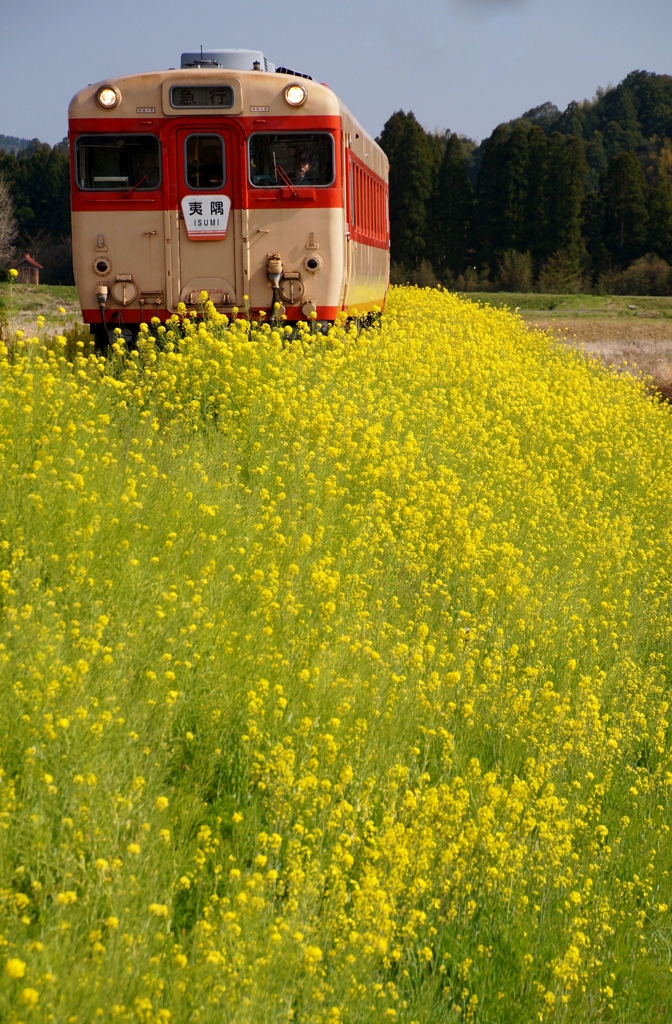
(115,162)
(368,204)
(291,158)
(204,161)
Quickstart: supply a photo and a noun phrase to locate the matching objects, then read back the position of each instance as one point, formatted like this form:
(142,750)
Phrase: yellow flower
(61,309)
(15,968)
(66,897)
(424,637)
(13,273)
(30,996)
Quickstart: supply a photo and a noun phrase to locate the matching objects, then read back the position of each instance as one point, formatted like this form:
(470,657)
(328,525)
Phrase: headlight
(295,95)
(108,97)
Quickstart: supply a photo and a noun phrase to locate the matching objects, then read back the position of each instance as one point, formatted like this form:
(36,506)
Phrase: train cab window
(109,162)
(204,161)
(296,158)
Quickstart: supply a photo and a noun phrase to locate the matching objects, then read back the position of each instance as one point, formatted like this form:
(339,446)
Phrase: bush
(649,275)
(561,274)
(398,273)
(422,276)
(473,281)
(515,271)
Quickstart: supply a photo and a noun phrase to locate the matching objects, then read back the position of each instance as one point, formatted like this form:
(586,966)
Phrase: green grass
(591,306)
(21,304)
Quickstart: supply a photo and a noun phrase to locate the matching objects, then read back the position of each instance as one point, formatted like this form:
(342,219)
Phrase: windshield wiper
(133,187)
(287,180)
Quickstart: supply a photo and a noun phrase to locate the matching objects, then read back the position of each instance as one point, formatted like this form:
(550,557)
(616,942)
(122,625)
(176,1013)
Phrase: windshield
(204,161)
(297,158)
(118,162)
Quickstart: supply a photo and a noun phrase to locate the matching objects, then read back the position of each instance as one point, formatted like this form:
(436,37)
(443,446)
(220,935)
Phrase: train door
(206,223)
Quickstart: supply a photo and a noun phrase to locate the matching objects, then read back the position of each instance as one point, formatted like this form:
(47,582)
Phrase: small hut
(29,270)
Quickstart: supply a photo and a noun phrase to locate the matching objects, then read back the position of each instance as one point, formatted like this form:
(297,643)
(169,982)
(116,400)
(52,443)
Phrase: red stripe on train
(133,317)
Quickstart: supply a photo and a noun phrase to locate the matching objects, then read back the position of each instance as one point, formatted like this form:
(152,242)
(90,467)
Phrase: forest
(560,201)
(38,180)
(576,200)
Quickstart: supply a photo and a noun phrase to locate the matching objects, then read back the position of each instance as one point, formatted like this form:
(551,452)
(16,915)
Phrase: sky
(463,65)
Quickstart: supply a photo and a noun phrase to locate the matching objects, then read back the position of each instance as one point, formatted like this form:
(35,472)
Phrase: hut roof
(30,261)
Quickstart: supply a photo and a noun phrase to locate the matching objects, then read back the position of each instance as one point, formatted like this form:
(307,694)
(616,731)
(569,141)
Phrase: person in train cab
(303,171)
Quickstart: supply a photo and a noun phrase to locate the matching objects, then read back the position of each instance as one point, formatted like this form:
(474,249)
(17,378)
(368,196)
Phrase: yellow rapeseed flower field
(334,677)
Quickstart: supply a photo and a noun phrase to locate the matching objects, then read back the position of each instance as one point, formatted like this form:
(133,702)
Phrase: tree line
(557,200)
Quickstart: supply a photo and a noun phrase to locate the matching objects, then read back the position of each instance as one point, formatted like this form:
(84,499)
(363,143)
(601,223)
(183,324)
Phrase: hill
(12,144)
(634,115)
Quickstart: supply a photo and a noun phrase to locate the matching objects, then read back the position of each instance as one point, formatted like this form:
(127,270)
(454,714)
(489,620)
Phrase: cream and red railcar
(226,176)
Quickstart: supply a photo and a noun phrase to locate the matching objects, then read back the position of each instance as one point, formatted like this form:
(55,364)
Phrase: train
(229,176)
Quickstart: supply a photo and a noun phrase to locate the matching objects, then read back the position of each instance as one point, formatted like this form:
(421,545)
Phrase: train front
(225,176)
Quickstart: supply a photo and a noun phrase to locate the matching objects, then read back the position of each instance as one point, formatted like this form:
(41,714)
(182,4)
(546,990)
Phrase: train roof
(149,93)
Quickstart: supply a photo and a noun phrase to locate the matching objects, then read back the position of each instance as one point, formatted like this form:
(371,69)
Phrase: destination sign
(206,216)
(201,96)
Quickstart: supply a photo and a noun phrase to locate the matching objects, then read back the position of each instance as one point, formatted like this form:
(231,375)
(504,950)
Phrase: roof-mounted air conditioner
(232,60)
